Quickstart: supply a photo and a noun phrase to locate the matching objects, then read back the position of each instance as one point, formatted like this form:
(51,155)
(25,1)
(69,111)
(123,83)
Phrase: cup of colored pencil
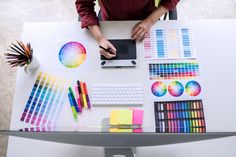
(21,55)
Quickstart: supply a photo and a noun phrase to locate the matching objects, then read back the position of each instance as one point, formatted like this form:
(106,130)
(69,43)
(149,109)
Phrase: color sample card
(45,101)
(180,117)
(176,90)
(173,70)
(169,44)
(39,129)
(72,54)
(148,46)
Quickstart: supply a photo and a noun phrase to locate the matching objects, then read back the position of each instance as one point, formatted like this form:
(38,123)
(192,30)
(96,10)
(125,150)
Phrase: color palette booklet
(174,80)
(169,42)
(45,101)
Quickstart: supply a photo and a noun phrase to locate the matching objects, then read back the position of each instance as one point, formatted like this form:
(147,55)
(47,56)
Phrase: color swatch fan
(72,54)
(45,101)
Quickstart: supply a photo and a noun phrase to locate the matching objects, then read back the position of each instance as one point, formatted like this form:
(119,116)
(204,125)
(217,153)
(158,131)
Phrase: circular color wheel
(193,88)
(72,54)
(159,89)
(175,88)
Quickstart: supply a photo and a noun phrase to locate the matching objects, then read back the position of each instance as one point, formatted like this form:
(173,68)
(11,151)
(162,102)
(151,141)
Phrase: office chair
(172,15)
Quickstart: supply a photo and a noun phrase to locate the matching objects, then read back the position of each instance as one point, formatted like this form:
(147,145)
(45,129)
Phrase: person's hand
(107,45)
(141,29)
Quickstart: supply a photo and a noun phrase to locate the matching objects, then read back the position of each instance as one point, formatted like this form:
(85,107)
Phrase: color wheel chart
(45,101)
(169,44)
(180,117)
(178,70)
(72,54)
(159,89)
(193,88)
(176,90)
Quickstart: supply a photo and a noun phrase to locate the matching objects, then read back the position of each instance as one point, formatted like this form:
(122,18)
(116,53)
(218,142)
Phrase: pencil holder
(32,66)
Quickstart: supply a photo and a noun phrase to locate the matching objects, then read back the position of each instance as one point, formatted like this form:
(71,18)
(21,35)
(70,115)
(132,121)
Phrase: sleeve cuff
(170,5)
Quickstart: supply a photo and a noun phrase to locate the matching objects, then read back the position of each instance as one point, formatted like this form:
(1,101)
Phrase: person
(144,10)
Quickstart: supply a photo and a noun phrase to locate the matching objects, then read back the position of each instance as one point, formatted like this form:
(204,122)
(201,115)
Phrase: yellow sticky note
(121,117)
(113,117)
(120,130)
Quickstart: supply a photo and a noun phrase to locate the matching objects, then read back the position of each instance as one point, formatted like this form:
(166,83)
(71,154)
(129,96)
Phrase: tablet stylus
(107,50)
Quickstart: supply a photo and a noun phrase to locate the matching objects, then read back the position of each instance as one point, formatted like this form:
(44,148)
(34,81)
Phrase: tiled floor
(15,12)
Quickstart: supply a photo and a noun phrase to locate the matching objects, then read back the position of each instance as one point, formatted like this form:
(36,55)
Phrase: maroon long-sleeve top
(118,9)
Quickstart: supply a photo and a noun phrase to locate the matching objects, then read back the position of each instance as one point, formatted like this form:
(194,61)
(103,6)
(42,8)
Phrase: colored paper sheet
(118,130)
(121,117)
(137,116)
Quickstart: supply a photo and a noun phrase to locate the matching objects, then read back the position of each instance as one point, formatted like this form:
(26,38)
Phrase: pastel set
(180,117)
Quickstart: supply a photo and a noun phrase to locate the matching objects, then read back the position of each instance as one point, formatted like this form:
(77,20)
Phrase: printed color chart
(39,129)
(180,117)
(176,88)
(169,44)
(45,100)
(72,54)
(168,70)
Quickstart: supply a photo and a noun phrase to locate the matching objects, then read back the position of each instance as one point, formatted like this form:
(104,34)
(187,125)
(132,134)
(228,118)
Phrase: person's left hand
(140,30)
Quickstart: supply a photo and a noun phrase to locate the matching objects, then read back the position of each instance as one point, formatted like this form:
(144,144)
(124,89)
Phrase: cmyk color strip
(147,45)
(36,98)
(161,51)
(186,42)
(56,103)
(40,101)
(27,106)
(60,107)
(180,117)
(167,71)
(48,109)
(46,101)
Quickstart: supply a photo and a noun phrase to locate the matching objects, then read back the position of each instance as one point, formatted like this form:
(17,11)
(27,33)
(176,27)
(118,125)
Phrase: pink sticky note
(137,116)
(138,130)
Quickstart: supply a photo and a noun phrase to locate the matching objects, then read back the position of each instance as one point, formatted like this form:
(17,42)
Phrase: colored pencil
(19,55)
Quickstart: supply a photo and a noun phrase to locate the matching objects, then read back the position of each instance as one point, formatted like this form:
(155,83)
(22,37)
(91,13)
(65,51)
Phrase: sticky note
(120,130)
(137,116)
(140,130)
(113,117)
(121,117)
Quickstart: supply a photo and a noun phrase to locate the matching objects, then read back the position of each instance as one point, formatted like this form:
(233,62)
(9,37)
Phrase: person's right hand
(106,44)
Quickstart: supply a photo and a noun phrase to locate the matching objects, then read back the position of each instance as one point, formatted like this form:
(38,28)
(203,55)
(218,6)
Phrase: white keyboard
(117,94)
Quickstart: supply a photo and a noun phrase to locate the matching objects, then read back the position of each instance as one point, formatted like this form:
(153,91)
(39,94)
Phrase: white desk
(213,39)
